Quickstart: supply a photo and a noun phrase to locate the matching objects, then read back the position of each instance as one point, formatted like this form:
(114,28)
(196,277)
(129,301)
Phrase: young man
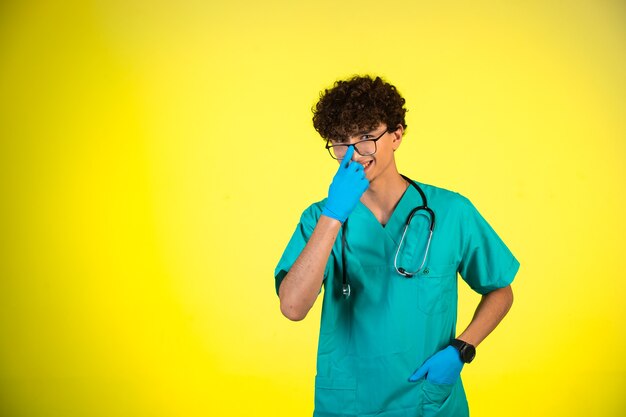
(387,251)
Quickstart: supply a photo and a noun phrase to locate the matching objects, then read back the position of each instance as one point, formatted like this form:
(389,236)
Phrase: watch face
(468,352)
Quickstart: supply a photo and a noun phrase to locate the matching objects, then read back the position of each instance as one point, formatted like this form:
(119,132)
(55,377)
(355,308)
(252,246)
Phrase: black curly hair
(357,104)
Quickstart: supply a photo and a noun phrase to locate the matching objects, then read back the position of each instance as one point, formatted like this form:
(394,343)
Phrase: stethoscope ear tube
(403,272)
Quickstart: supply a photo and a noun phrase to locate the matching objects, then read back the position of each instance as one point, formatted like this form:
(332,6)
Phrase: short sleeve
(486,263)
(296,244)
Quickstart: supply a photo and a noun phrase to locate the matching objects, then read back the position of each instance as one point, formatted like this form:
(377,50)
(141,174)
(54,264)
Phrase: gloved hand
(347,187)
(444,367)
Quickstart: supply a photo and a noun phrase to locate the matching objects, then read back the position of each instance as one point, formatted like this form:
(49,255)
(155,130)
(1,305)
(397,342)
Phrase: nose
(355,155)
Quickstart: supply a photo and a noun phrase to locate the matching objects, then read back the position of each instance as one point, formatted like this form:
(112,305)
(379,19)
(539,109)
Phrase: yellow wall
(155,158)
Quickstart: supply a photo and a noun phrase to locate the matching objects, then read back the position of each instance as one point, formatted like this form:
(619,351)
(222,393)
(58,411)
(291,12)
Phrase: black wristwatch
(467,351)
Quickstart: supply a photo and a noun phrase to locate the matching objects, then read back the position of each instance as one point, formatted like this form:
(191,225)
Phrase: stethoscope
(346,290)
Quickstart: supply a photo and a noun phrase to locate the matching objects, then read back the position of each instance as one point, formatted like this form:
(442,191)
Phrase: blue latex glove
(347,187)
(444,367)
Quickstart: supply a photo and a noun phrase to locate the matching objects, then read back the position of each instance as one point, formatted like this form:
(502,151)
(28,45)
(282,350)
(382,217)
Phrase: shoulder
(312,213)
(445,199)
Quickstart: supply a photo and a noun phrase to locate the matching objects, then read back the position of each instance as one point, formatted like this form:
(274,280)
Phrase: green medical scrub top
(371,343)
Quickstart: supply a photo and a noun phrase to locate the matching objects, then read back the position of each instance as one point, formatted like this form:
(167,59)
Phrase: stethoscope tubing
(346,288)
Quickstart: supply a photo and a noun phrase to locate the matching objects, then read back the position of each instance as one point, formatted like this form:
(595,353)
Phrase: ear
(397,137)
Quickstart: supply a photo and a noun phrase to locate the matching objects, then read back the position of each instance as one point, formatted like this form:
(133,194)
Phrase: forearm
(489,313)
(300,287)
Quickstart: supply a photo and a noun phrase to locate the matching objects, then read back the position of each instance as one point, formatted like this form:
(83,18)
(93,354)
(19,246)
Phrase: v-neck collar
(397,220)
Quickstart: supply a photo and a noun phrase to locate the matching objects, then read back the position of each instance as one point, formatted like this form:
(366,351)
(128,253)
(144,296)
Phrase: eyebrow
(346,139)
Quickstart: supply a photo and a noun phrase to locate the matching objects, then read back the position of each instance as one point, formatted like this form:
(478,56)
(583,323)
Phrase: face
(373,149)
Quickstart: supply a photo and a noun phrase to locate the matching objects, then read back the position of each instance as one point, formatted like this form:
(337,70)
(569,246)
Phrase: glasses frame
(330,147)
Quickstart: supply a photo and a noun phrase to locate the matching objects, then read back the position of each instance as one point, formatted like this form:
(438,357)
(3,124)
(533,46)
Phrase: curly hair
(357,104)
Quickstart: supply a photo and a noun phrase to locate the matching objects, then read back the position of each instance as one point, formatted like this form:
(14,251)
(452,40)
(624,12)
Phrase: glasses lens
(366,147)
(363,148)
(338,151)
(415,243)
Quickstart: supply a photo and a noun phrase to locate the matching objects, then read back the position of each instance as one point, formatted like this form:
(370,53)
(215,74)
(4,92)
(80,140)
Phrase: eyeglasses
(365,147)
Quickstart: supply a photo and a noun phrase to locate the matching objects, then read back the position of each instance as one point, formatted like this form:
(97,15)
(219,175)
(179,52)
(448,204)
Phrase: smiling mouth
(366,164)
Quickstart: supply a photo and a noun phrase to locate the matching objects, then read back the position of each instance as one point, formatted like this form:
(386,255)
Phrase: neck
(383,195)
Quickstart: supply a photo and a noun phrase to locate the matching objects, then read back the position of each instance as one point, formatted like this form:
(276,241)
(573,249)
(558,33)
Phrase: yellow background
(155,158)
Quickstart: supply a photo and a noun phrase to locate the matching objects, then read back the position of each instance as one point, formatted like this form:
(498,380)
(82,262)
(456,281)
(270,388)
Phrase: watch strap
(466,350)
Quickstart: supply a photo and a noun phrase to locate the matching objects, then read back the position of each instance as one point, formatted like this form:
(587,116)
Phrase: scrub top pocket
(434,398)
(443,400)
(436,288)
(335,397)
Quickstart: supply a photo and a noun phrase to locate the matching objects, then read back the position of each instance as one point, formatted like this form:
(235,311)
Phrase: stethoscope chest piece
(346,290)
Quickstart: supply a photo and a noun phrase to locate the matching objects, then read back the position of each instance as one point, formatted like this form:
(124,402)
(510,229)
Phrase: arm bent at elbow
(490,311)
(301,286)
(295,299)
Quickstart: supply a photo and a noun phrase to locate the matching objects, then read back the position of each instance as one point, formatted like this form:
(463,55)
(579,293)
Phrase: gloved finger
(420,373)
(358,167)
(347,157)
